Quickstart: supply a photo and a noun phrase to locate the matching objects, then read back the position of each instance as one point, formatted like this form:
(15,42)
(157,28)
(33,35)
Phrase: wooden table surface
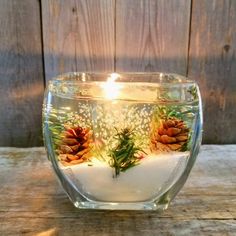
(32,202)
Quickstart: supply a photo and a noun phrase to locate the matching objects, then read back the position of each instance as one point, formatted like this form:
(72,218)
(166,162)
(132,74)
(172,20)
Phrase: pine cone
(75,145)
(171,135)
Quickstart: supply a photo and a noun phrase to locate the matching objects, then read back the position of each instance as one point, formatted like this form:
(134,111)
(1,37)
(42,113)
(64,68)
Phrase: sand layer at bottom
(153,176)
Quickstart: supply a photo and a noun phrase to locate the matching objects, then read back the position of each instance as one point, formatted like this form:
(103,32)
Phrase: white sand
(154,174)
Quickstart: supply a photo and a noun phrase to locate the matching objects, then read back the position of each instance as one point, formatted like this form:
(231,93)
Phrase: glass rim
(137,78)
(170,88)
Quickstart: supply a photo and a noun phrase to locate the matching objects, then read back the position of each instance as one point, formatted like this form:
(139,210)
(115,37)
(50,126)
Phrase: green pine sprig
(55,125)
(126,153)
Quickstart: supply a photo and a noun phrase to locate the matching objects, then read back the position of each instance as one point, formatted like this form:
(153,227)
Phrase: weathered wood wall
(212,63)
(40,39)
(78,35)
(21,73)
(152,35)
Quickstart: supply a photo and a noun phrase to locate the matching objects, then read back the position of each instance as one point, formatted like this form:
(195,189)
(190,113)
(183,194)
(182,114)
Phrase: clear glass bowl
(122,141)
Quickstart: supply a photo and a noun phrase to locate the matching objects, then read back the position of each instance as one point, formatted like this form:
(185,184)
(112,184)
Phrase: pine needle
(125,154)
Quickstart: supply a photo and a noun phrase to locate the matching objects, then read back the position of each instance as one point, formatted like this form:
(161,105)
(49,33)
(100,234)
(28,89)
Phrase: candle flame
(111,88)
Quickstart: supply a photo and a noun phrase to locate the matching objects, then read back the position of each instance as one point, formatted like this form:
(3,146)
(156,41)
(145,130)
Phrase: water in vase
(119,149)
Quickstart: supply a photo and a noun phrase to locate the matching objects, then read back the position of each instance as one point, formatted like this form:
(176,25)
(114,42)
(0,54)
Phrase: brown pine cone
(171,135)
(75,145)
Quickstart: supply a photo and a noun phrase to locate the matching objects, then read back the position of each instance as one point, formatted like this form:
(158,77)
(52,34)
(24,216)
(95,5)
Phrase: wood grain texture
(78,35)
(21,73)
(213,64)
(152,35)
(33,203)
(121,35)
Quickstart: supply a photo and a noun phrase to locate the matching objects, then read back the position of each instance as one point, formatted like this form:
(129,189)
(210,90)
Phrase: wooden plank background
(152,35)
(21,73)
(78,35)
(212,64)
(40,39)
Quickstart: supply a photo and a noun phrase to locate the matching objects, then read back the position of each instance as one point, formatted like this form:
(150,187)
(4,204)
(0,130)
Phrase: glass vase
(122,141)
